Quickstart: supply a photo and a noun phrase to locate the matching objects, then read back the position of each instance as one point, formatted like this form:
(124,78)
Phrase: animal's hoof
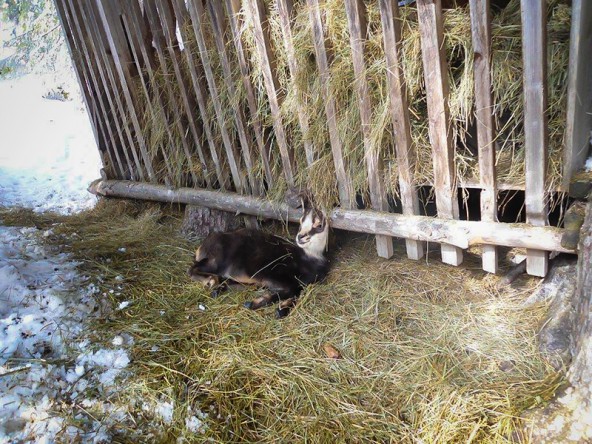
(248,305)
(215,293)
(282,312)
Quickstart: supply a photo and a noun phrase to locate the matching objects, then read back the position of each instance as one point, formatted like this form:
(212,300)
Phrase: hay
(430,353)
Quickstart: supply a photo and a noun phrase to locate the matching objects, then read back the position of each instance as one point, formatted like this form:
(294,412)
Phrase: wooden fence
(151,61)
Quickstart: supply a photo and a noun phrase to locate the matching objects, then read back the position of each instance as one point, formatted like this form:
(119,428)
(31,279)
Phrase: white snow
(589,164)
(48,154)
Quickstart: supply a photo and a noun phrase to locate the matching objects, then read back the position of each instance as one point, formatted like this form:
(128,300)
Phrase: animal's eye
(317,223)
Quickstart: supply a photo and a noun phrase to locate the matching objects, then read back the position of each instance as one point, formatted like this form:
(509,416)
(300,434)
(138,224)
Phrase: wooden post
(161,24)
(219,30)
(459,233)
(534,50)
(83,15)
(82,68)
(285,12)
(356,18)
(579,91)
(481,31)
(344,182)
(118,45)
(233,12)
(196,11)
(391,29)
(182,18)
(436,80)
(271,85)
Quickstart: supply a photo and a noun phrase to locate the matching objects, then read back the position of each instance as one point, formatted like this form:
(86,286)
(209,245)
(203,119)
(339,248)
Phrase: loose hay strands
(429,353)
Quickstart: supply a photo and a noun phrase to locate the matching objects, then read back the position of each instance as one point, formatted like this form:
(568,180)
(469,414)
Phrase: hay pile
(507,89)
(430,353)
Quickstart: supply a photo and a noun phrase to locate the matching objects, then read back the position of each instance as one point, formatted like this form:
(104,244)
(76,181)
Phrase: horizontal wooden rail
(458,233)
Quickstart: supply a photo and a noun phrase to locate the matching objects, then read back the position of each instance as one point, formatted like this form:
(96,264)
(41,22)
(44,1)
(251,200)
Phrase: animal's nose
(302,237)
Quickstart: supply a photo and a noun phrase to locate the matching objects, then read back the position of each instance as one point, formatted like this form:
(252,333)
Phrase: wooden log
(344,182)
(481,33)
(534,50)
(233,10)
(196,12)
(108,12)
(268,67)
(356,18)
(90,93)
(405,151)
(436,80)
(457,233)
(579,91)
(162,38)
(84,17)
(181,14)
(285,12)
(215,11)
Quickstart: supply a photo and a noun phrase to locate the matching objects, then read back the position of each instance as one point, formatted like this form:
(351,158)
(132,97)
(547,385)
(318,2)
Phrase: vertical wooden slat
(356,18)
(534,50)
(271,85)
(579,91)
(182,18)
(400,117)
(344,183)
(86,25)
(233,8)
(196,12)
(481,32)
(215,10)
(285,12)
(436,80)
(167,25)
(118,45)
(90,93)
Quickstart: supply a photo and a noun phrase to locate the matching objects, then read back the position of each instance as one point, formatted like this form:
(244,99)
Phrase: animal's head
(313,234)
(202,270)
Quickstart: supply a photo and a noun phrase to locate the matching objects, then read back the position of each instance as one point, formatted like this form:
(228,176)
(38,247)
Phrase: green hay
(423,343)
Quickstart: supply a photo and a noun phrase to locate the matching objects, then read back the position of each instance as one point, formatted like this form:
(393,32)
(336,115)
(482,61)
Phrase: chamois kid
(252,257)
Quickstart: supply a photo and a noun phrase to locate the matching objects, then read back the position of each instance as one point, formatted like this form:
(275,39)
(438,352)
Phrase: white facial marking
(312,243)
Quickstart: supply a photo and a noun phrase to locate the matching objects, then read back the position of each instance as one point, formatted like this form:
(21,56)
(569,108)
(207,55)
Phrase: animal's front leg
(285,306)
(266,299)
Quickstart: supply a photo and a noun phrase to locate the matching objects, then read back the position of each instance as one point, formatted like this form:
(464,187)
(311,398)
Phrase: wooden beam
(285,8)
(356,19)
(108,12)
(196,12)
(534,50)
(216,13)
(272,86)
(233,11)
(163,31)
(404,148)
(458,233)
(481,32)
(579,91)
(181,14)
(344,182)
(84,17)
(436,80)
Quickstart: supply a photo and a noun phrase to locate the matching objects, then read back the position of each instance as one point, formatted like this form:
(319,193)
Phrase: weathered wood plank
(481,34)
(534,50)
(163,31)
(436,80)
(344,183)
(459,233)
(405,151)
(271,85)
(113,32)
(579,91)
(356,18)
(181,14)
(285,12)
(196,12)
(90,93)
(84,16)
(233,9)
(215,10)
